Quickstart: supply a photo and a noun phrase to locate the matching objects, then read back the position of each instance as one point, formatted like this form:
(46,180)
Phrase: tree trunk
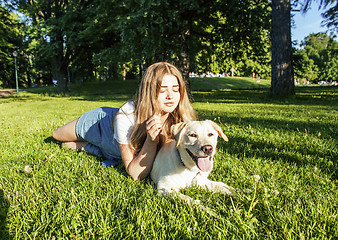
(184,58)
(59,72)
(185,67)
(29,80)
(59,63)
(282,81)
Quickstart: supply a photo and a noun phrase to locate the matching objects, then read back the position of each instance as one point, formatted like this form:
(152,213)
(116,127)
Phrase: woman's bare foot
(74,145)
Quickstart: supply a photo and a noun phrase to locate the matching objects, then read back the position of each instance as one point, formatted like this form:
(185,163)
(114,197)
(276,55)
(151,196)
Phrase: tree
(101,38)
(98,43)
(330,16)
(282,82)
(165,30)
(318,60)
(240,37)
(304,67)
(331,66)
(48,16)
(11,36)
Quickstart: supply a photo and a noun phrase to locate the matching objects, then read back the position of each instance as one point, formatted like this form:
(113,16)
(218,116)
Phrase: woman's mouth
(169,104)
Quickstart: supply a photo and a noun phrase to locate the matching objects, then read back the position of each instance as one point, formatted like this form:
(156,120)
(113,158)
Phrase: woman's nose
(169,95)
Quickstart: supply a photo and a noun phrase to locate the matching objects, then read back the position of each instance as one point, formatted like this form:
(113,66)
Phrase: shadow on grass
(307,96)
(325,130)
(323,96)
(292,152)
(52,140)
(91,90)
(4,206)
(302,157)
(312,153)
(120,167)
(124,91)
(105,98)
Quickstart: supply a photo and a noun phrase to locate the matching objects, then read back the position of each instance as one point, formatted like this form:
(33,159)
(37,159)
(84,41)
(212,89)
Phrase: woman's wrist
(151,142)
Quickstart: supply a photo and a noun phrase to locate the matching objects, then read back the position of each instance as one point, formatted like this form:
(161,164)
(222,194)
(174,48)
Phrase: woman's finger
(156,117)
(154,120)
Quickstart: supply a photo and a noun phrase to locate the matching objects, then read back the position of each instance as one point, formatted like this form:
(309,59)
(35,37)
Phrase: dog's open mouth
(203,163)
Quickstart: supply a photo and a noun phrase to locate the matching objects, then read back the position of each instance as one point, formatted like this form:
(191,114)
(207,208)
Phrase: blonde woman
(136,131)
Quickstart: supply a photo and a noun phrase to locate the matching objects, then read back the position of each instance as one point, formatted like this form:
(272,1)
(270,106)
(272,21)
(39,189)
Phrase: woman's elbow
(137,175)
(134,177)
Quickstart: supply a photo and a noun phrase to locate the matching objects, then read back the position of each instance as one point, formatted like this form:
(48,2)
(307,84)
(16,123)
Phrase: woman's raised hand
(154,127)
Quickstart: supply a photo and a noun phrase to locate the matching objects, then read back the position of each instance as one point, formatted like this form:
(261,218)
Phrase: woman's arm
(138,165)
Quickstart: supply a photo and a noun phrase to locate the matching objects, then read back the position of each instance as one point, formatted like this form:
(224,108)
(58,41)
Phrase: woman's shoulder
(128,107)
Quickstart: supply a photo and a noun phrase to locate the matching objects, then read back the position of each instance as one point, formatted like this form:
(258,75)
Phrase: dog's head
(196,141)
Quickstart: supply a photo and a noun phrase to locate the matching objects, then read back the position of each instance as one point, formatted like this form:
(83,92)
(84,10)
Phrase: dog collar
(178,152)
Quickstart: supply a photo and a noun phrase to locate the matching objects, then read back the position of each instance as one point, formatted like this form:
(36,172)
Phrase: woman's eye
(193,135)
(210,134)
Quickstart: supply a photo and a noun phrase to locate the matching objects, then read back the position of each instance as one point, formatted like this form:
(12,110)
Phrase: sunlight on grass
(291,144)
(213,83)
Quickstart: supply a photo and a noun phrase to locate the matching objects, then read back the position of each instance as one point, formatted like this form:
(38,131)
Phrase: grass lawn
(215,83)
(63,194)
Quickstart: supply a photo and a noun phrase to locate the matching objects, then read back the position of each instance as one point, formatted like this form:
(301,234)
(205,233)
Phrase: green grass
(291,144)
(214,83)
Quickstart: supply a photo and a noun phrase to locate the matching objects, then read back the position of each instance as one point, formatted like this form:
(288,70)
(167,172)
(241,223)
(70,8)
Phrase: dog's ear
(177,131)
(219,130)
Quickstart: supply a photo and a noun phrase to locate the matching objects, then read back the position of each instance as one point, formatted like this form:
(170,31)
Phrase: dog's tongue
(204,164)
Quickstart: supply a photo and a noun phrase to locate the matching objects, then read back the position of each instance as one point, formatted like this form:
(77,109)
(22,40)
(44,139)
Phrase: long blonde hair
(146,103)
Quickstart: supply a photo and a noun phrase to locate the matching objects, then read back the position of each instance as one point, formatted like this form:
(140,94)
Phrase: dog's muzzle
(203,163)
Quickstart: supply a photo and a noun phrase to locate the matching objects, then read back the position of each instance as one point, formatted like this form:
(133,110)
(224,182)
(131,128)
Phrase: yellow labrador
(189,159)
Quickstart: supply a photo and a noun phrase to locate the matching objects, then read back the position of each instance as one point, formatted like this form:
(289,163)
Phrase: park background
(47,192)
(81,41)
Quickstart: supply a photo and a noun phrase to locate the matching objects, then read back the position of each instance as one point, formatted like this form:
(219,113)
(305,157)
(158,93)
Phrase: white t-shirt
(124,123)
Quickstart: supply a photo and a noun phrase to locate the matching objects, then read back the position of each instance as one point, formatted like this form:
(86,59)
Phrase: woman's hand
(139,165)
(153,127)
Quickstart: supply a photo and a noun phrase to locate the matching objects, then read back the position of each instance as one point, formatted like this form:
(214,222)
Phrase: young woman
(136,131)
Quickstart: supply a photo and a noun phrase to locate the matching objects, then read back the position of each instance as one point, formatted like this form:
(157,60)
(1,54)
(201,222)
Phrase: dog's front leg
(202,180)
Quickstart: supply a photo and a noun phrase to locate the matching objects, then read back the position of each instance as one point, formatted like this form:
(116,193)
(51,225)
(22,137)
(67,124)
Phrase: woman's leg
(67,135)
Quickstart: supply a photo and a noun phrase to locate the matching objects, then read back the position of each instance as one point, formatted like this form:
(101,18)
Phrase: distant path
(5,93)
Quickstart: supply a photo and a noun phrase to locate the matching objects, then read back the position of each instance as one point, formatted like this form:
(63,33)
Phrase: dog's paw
(229,190)
(222,188)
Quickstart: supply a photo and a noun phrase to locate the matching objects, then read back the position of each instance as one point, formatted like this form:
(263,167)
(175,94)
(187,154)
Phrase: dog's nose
(207,149)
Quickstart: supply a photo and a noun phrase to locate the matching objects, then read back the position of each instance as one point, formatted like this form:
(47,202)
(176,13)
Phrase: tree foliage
(91,39)
(76,41)
(11,38)
(330,15)
(318,60)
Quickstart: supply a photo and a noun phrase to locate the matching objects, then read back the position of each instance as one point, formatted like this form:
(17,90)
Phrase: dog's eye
(210,134)
(193,135)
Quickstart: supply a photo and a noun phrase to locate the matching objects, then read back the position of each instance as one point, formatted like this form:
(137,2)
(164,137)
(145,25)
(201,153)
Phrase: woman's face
(169,95)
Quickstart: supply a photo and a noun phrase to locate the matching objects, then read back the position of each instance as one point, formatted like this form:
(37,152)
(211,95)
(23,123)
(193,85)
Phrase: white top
(124,123)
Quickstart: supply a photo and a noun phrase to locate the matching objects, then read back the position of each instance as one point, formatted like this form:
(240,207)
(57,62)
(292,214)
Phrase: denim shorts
(96,128)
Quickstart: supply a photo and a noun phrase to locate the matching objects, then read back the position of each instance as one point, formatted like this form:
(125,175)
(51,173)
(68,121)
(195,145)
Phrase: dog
(188,160)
